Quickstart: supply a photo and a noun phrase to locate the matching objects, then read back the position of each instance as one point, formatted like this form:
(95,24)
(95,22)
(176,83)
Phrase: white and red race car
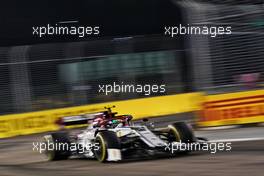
(111,137)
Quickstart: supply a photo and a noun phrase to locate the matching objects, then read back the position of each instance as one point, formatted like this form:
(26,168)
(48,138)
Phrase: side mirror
(145,120)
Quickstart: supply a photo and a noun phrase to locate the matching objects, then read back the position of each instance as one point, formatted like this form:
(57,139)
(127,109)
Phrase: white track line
(218,128)
(68,21)
(238,139)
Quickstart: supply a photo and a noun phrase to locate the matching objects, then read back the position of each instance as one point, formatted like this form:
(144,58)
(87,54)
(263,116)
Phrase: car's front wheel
(182,133)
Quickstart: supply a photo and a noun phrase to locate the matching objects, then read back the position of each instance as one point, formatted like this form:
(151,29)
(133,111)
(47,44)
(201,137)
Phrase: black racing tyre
(59,145)
(181,132)
(105,140)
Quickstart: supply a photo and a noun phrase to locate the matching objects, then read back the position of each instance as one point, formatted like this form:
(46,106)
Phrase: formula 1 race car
(111,137)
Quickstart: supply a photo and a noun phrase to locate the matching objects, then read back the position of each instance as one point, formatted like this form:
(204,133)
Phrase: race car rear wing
(75,120)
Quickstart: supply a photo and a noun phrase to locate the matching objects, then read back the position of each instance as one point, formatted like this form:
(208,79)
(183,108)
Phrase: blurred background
(222,74)
(54,71)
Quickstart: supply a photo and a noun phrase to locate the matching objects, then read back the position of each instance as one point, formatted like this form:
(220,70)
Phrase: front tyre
(180,132)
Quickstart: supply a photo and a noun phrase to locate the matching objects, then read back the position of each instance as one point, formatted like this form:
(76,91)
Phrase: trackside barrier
(42,121)
(232,109)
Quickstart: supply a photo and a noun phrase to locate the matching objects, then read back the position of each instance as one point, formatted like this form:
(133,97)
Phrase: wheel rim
(100,154)
(176,134)
(48,153)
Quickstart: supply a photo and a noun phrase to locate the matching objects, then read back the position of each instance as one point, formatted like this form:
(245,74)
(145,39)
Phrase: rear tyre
(105,140)
(57,146)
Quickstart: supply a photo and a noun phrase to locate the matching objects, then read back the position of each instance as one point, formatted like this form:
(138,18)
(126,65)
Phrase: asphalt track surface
(246,158)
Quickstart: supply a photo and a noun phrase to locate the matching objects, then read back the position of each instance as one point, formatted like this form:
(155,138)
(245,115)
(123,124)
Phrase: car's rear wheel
(106,140)
(57,146)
